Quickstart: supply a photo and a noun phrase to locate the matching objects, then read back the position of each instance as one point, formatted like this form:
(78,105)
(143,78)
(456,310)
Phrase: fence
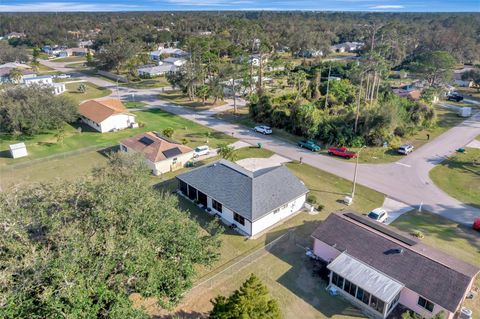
(245,261)
(56,156)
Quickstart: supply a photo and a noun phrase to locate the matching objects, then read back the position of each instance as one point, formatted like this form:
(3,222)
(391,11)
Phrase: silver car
(263,129)
(405,149)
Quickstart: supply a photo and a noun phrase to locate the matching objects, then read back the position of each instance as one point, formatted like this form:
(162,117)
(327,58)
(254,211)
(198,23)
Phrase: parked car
(63,76)
(454,96)
(263,129)
(342,152)
(201,150)
(378,214)
(476,224)
(310,145)
(405,149)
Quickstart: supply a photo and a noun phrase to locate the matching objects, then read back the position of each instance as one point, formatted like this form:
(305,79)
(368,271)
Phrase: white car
(63,76)
(405,149)
(263,129)
(378,214)
(201,150)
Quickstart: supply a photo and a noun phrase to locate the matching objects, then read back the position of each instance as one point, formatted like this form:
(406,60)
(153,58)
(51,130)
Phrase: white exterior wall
(165,166)
(272,218)
(19,152)
(409,299)
(116,122)
(324,251)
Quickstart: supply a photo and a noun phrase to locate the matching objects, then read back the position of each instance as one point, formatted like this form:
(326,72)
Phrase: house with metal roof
(379,268)
(249,201)
(161,154)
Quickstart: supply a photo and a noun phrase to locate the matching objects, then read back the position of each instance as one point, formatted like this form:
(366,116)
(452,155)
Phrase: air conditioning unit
(465,313)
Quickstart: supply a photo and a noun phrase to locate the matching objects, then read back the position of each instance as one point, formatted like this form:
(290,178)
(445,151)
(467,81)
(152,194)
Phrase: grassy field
(132,104)
(285,270)
(443,234)
(459,176)
(92,92)
(147,83)
(151,120)
(177,97)
(71,59)
(57,80)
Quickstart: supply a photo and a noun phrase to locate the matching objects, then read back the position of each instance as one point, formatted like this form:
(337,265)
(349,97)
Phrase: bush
(185,141)
(320,207)
(168,132)
(311,199)
(417,233)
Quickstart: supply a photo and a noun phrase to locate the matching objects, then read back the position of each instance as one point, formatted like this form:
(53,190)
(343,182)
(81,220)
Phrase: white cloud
(223,3)
(387,6)
(66,6)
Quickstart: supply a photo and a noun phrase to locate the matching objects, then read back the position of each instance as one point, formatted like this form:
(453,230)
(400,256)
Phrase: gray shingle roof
(421,268)
(249,194)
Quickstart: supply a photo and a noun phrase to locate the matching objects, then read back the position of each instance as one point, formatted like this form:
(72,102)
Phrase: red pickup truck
(342,152)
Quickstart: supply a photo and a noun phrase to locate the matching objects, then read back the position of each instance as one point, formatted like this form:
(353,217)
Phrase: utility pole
(355,174)
(328,86)
(358,104)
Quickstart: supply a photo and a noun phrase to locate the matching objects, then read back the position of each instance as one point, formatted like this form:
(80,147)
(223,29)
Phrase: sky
(250,5)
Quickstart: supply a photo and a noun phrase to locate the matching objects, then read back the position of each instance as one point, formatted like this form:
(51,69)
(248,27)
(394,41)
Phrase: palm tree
(15,75)
(227,152)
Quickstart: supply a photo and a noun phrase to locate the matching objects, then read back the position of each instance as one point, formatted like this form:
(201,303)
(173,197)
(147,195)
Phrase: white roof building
(18,150)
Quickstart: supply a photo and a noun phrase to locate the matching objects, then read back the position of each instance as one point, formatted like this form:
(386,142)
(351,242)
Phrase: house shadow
(5,154)
(306,278)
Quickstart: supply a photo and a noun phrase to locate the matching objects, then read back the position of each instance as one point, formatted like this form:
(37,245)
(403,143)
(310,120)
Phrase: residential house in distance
(251,201)
(6,71)
(378,268)
(161,154)
(460,81)
(45,80)
(310,53)
(167,52)
(85,43)
(166,66)
(15,35)
(347,47)
(106,115)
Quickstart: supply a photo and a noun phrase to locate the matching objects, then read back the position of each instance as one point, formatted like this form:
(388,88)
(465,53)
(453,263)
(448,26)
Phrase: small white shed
(18,150)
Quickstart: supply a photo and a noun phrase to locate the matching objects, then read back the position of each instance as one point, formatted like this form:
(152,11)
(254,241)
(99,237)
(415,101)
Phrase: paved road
(406,180)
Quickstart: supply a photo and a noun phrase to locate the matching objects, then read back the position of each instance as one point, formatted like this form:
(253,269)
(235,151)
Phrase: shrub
(168,132)
(417,233)
(185,141)
(311,199)
(320,207)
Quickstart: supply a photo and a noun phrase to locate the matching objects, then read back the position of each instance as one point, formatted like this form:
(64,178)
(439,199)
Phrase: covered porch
(371,290)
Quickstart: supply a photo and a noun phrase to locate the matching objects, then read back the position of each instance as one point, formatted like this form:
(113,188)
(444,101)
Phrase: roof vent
(394,251)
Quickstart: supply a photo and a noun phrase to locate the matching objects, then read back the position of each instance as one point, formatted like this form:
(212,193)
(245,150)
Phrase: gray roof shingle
(431,273)
(249,194)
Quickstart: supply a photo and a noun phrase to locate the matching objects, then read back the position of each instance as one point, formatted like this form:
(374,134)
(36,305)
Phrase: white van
(201,150)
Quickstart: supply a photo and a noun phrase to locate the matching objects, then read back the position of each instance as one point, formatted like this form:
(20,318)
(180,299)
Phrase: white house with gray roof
(252,201)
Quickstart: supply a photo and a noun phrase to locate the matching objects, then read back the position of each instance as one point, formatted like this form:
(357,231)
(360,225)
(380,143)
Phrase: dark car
(341,152)
(454,96)
(310,145)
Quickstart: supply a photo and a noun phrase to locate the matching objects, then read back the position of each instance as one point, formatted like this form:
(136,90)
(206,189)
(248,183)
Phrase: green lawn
(43,69)
(443,234)
(459,176)
(252,152)
(177,97)
(92,92)
(286,271)
(43,145)
(147,83)
(63,168)
(57,80)
(132,104)
(71,59)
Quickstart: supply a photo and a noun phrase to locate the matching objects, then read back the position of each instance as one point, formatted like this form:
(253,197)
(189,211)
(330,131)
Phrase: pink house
(378,268)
